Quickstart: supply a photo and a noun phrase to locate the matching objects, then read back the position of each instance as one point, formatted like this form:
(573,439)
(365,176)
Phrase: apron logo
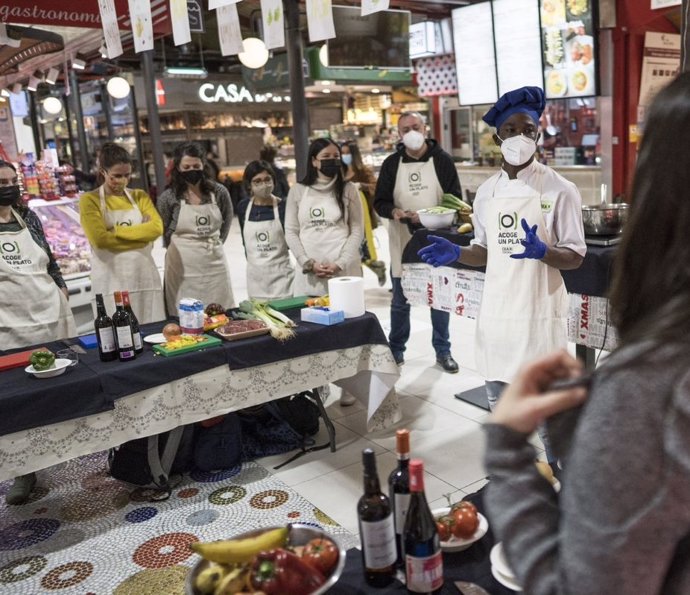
(202,220)
(262,237)
(415,177)
(127,223)
(9,247)
(507,220)
(316,213)
(546,206)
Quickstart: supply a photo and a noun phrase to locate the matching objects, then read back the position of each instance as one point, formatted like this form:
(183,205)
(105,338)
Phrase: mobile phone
(566,383)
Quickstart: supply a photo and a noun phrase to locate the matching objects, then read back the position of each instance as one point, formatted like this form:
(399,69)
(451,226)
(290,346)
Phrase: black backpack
(299,411)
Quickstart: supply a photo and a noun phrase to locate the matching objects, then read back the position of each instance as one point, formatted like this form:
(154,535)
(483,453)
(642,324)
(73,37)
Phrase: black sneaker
(448,364)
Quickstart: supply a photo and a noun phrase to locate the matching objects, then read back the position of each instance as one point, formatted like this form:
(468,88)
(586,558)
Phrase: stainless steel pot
(604,219)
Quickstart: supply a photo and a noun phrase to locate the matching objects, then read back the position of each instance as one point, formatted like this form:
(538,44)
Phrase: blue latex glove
(534,247)
(440,252)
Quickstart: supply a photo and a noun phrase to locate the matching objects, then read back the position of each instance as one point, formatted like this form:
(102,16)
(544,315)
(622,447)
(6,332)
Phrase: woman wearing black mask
(323,222)
(196,213)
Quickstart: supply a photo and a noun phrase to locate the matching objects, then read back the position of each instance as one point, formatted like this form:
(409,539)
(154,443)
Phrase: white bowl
(457,544)
(59,368)
(500,569)
(436,220)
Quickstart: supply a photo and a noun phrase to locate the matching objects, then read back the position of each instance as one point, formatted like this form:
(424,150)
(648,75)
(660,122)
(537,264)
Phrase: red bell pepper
(280,572)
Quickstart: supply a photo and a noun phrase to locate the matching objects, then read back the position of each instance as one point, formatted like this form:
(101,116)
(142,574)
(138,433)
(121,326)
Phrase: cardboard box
(320,315)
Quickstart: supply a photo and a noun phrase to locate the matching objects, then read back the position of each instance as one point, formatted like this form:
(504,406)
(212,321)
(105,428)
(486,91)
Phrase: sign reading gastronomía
(569,48)
(233,93)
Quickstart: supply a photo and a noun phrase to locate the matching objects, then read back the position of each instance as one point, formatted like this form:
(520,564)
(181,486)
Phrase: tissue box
(88,341)
(322,316)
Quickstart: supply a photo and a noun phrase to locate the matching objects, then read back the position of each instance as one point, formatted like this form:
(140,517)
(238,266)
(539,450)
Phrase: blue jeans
(494,388)
(400,325)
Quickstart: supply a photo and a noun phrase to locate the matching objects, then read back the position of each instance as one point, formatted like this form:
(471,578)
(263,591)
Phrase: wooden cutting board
(207,342)
(16,360)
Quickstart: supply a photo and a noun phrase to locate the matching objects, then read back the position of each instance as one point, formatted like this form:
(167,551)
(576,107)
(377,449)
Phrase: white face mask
(518,150)
(413,140)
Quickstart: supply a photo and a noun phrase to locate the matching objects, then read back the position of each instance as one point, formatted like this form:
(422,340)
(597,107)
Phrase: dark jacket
(443,164)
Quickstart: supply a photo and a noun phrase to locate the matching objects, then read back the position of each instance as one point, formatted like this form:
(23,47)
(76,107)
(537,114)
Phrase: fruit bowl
(457,544)
(435,219)
(298,534)
(58,368)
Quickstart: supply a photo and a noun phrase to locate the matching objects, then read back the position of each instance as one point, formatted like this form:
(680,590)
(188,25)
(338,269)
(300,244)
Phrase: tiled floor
(446,432)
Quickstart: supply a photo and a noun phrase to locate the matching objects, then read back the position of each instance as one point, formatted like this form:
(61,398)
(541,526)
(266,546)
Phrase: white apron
(323,232)
(270,273)
(416,187)
(523,314)
(132,270)
(33,309)
(195,262)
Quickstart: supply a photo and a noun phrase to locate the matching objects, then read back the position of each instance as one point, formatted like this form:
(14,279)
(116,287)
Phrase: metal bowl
(298,534)
(605,219)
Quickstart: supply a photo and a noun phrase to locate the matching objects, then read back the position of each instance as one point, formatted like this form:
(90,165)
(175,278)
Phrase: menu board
(518,44)
(569,48)
(475,58)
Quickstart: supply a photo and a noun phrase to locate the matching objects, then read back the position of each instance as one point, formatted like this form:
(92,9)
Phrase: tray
(243,334)
(208,342)
(289,303)
(17,360)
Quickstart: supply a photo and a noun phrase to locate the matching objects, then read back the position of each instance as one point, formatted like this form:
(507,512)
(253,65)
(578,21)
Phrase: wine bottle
(105,334)
(136,334)
(399,489)
(376,527)
(422,546)
(123,330)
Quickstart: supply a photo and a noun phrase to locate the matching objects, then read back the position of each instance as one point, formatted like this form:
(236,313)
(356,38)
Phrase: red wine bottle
(123,330)
(399,489)
(376,527)
(105,334)
(138,343)
(423,559)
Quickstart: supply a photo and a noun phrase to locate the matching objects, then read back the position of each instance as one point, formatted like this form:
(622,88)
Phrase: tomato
(466,522)
(443,529)
(464,504)
(321,553)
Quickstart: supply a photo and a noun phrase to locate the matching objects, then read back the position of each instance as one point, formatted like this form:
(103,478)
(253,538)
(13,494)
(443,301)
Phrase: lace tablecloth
(368,372)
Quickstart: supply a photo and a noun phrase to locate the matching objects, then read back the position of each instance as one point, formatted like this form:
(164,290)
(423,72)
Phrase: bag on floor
(150,462)
(299,411)
(219,446)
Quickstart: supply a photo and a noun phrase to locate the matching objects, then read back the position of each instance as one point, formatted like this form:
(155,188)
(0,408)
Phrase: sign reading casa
(232,93)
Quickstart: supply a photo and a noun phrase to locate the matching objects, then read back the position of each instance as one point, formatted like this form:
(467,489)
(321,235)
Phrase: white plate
(506,581)
(457,544)
(581,80)
(556,84)
(60,366)
(155,339)
(498,559)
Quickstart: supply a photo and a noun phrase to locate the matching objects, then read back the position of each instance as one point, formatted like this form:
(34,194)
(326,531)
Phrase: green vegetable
(453,202)
(437,210)
(278,324)
(42,360)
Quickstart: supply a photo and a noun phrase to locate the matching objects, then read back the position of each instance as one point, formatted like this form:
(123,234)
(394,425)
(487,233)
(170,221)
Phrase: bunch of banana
(219,579)
(465,228)
(241,551)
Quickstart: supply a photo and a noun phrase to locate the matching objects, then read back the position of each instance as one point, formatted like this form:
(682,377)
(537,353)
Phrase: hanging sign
(372,6)
(214,4)
(142,29)
(665,3)
(660,65)
(320,20)
(180,22)
(273,22)
(195,16)
(111,31)
(229,32)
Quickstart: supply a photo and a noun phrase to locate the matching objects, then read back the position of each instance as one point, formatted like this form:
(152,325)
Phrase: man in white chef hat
(528,227)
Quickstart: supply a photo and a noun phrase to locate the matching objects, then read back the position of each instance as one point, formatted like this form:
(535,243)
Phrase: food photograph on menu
(569,48)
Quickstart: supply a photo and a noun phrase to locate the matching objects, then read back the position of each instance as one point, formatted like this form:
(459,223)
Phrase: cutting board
(16,360)
(208,342)
(289,303)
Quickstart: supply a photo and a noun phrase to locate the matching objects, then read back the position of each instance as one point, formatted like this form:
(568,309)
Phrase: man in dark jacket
(414,177)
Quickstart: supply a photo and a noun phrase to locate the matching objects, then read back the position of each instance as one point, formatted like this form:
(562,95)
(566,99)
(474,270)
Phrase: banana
(465,228)
(208,580)
(241,551)
(234,582)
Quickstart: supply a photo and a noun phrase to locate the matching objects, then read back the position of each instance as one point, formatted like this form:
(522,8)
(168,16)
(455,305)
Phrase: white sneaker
(347,399)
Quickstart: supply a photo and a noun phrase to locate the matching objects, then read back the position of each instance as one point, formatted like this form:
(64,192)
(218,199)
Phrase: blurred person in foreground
(621,523)
(121,225)
(197,213)
(414,177)
(35,307)
(527,228)
(270,273)
(364,180)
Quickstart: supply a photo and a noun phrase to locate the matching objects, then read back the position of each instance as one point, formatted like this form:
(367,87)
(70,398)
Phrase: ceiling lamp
(185,72)
(118,87)
(323,55)
(5,93)
(52,76)
(255,54)
(34,80)
(52,105)
(78,63)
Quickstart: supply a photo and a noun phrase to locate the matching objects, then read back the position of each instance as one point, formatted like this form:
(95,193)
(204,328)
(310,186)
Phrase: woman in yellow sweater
(121,225)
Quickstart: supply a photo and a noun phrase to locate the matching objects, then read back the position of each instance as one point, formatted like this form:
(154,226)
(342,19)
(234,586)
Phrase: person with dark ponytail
(121,224)
(323,222)
(197,213)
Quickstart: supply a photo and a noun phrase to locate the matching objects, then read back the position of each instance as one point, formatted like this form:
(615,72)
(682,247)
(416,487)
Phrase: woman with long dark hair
(121,225)
(323,222)
(197,213)
(622,522)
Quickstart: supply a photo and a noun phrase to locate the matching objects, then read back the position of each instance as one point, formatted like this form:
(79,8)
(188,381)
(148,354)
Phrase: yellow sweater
(121,237)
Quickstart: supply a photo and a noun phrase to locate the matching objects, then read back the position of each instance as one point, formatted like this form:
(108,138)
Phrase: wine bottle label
(138,344)
(424,574)
(378,542)
(402,503)
(124,340)
(107,339)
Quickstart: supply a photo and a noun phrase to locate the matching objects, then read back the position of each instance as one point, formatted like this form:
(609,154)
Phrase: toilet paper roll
(347,294)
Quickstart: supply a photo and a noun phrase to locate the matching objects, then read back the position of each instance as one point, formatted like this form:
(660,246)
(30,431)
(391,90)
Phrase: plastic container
(191,313)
